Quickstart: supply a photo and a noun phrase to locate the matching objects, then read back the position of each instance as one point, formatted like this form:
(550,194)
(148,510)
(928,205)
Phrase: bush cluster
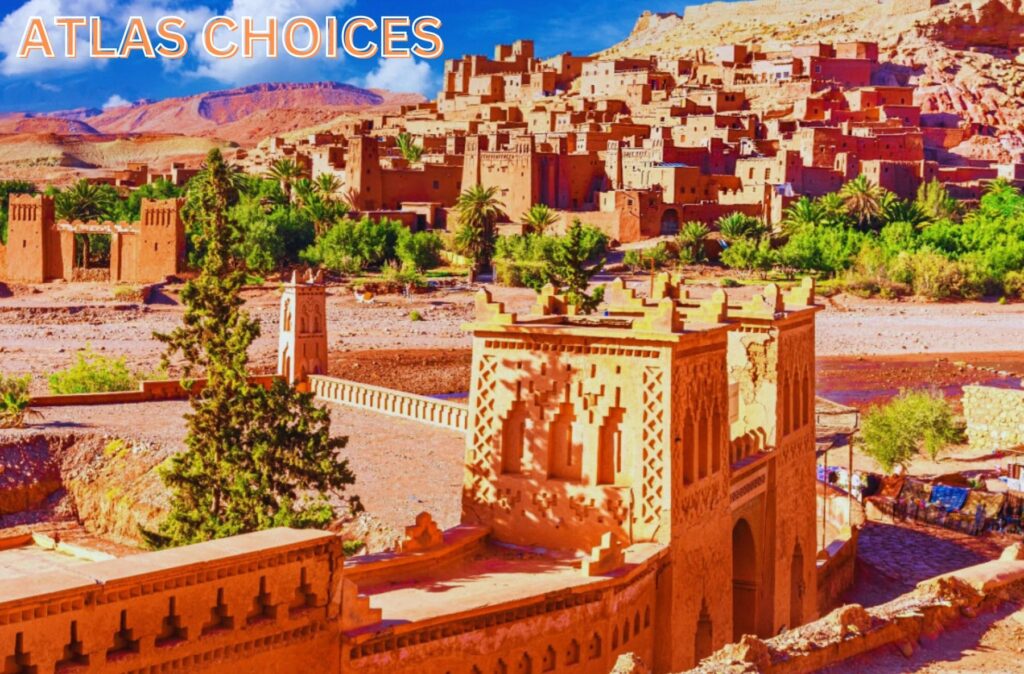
(914,422)
(93,373)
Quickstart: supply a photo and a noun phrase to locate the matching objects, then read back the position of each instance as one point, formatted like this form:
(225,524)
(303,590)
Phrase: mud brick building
(40,249)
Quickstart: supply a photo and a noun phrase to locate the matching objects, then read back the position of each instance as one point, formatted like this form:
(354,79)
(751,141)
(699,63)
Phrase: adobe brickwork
(41,249)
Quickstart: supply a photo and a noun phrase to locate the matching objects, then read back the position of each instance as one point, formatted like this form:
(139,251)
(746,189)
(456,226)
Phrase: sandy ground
(402,467)
(41,328)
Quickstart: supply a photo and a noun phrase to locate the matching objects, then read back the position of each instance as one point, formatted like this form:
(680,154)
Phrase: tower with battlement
(670,420)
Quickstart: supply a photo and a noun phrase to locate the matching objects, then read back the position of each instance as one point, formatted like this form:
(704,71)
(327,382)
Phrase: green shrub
(930,274)
(729,283)
(642,258)
(911,423)
(93,373)
(1013,284)
(350,247)
(415,316)
(749,255)
(127,293)
(421,250)
(403,274)
(14,401)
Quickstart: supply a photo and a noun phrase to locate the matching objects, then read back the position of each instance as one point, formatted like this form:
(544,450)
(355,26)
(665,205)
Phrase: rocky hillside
(965,57)
(244,115)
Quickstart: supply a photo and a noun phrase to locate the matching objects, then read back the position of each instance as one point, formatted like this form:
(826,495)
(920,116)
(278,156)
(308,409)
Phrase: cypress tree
(255,457)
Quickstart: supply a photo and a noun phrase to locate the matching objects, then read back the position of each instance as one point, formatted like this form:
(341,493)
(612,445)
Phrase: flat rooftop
(34,554)
(495,576)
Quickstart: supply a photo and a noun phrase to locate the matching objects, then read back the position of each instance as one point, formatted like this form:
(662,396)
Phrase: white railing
(433,411)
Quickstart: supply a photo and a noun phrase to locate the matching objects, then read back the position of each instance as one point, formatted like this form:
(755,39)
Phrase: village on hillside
(621,363)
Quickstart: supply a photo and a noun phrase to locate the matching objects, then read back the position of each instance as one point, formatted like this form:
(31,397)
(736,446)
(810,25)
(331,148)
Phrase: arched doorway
(744,581)
(670,221)
(796,587)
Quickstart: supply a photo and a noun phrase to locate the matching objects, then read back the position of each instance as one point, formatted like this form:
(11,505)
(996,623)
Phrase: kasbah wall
(40,249)
(995,417)
(641,482)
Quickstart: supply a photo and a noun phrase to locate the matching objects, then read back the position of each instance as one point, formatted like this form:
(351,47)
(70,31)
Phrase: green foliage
(130,208)
(7,188)
(404,274)
(863,200)
(911,423)
(750,255)
(92,372)
(1013,284)
(478,210)
(352,547)
(524,261)
(538,218)
(729,283)
(14,400)
(657,256)
(736,226)
(256,457)
(85,201)
(935,202)
(415,316)
(408,148)
(691,239)
(419,250)
(350,246)
(575,259)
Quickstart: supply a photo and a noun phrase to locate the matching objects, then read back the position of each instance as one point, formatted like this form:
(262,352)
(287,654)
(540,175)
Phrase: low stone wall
(442,413)
(851,630)
(836,571)
(995,417)
(265,602)
(148,391)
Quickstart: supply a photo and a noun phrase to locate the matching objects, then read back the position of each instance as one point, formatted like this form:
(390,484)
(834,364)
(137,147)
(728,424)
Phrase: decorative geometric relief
(653,462)
(482,448)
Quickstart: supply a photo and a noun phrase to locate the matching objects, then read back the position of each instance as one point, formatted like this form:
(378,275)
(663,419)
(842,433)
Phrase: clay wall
(995,417)
(256,602)
(582,629)
(33,245)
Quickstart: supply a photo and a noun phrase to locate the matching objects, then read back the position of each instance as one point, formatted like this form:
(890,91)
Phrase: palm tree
(408,148)
(833,209)
(304,190)
(935,201)
(478,209)
(328,185)
(85,201)
(285,171)
(802,213)
(351,198)
(738,225)
(895,209)
(323,212)
(539,218)
(863,200)
(691,237)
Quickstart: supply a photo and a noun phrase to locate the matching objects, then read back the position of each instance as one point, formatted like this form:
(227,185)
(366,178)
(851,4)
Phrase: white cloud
(402,75)
(240,71)
(116,101)
(12,30)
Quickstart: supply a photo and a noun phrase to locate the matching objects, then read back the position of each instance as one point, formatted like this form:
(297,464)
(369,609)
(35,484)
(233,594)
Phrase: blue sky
(469,27)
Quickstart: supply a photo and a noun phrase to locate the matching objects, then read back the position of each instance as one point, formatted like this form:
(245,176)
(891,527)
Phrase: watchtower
(302,348)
